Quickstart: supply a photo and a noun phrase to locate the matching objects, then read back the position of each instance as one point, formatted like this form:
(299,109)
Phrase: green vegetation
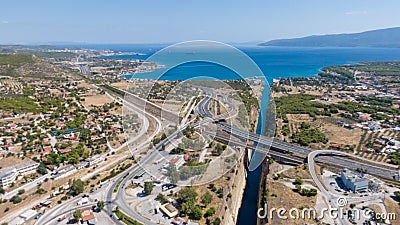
(113,89)
(301,104)
(77,214)
(161,198)
(16,199)
(117,186)
(186,172)
(209,212)
(115,172)
(100,205)
(308,192)
(148,187)
(307,136)
(397,195)
(173,173)
(285,130)
(15,60)
(187,195)
(298,181)
(19,105)
(197,212)
(395,158)
(42,168)
(58,55)
(206,198)
(77,187)
(217,221)
(125,218)
(340,72)
(377,101)
(219,148)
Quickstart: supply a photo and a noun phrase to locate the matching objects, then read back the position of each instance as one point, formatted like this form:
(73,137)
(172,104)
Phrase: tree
(21,191)
(206,198)
(397,194)
(77,215)
(2,191)
(186,208)
(209,212)
(173,173)
(77,187)
(187,195)
(217,221)
(16,199)
(160,197)
(148,187)
(100,205)
(298,181)
(42,168)
(197,212)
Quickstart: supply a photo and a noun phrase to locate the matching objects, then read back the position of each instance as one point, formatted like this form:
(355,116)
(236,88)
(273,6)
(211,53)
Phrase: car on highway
(166,187)
(38,216)
(61,218)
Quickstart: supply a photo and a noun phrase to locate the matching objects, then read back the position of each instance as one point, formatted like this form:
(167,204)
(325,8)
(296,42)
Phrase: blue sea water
(274,62)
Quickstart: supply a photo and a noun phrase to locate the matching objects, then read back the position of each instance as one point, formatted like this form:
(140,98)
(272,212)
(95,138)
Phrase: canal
(248,210)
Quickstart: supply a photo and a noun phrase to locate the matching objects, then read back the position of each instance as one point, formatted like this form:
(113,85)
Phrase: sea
(275,63)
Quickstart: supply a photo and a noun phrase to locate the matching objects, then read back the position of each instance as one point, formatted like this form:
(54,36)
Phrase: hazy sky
(172,21)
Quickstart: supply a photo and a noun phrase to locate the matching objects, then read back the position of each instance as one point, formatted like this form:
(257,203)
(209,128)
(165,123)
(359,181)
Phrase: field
(96,100)
(15,60)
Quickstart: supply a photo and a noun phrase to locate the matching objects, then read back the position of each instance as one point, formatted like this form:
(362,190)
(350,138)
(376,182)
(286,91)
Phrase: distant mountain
(389,37)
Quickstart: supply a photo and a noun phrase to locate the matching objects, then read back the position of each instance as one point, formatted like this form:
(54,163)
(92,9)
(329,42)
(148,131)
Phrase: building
(27,168)
(28,214)
(169,210)
(16,221)
(353,181)
(7,178)
(10,174)
(88,217)
(94,160)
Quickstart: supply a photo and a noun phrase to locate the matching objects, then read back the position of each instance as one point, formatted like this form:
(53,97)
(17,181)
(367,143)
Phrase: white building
(28,214)
(10,174)
(93,160)
(27,168)
(6,179)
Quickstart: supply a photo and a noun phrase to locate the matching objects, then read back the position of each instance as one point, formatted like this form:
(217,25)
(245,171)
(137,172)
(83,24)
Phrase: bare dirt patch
(96,100)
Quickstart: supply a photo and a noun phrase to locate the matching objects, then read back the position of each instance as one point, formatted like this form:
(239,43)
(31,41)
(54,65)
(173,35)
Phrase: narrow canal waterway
(248,210)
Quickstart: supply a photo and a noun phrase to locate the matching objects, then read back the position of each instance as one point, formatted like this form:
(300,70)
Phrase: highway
(277,149)
(375,168)
(383,170)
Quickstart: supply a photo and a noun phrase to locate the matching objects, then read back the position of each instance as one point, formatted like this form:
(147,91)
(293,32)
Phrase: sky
(171,21)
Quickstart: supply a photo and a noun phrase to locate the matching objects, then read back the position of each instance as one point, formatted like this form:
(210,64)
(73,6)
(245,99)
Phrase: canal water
(248,210)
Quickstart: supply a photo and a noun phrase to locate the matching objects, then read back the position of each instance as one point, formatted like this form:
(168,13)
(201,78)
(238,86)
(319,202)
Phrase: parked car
(38,216)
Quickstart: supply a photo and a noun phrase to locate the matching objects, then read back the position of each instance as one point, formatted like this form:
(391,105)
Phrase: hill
(389,37)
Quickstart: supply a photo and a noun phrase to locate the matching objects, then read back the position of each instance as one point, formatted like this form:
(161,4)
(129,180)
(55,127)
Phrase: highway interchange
(239,138)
